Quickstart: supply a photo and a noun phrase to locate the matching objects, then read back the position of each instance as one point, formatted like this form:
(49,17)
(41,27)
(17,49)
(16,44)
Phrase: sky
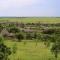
(22,8)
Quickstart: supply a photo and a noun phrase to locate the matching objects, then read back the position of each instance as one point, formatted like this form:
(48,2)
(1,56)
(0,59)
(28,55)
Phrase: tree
(4,50)
(14,30)
(46,39)
(56,45)
(48,31)
(19,36)
(14,48)
(1,27)
(54,50)
(28,36)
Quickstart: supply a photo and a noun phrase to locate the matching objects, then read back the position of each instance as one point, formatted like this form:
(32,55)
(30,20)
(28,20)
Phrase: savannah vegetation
(30,38)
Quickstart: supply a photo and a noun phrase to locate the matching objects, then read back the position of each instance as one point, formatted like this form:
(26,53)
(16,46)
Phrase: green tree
(4,50)
(14,48)
(19,36)
(56,45)
(28,36)
(14,30)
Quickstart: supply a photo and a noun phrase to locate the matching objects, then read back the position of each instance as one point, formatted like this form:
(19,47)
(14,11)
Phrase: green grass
(30,51)
(34,19)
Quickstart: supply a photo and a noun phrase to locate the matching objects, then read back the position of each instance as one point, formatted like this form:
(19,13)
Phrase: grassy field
(32,19)
(30,51)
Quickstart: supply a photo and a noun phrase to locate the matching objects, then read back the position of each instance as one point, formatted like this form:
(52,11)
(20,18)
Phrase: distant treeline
(31,24)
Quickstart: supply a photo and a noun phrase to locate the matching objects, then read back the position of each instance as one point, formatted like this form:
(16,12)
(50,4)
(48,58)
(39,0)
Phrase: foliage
(19,36)
(4,50)
(14,48)
(14,30)
(29,36)
(56,49)
(56,45)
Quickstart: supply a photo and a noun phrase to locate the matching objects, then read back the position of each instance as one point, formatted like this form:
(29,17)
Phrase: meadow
(32,19)
(28,49)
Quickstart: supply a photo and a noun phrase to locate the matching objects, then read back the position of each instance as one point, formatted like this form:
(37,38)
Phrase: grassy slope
(30,52)
(29,20)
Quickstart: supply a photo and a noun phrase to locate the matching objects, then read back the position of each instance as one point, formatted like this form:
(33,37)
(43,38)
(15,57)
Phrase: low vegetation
(25,38)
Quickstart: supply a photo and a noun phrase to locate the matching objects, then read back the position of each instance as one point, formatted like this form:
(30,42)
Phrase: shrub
(19,36)
(4,50)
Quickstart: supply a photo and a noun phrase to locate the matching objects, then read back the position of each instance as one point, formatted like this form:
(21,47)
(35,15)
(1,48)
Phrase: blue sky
(30,8)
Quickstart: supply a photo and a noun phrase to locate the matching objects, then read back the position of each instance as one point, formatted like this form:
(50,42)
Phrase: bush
(4,50)
(48,31)
(14,30)
(19,36)
(29,36)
